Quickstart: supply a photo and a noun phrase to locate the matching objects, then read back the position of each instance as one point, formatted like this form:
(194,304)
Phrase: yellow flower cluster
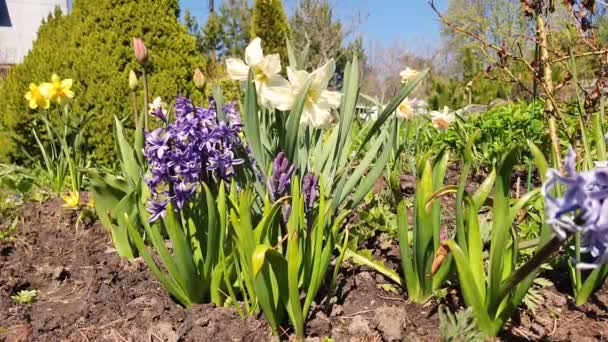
(58,90)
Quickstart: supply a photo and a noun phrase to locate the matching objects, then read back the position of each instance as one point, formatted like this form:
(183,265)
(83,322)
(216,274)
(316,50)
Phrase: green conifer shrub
(269,22)
(93,46)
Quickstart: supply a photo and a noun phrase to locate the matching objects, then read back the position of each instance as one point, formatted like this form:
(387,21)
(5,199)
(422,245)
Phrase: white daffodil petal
(271,65)
(297,78)
(237,69)
(318,115)
(277,81)
(322,75)
(253,53)
(279,97)
(330,99)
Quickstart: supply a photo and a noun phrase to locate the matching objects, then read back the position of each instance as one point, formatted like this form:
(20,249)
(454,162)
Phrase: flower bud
(199,79)
(133,80)
(141,53)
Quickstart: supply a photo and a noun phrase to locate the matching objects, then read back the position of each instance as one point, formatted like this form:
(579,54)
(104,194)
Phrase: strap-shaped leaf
(484,190)
(501,228)
(368,181)
(251,123)
(470,291)
(168,282)
(184,259)
(293,123)
(128,162)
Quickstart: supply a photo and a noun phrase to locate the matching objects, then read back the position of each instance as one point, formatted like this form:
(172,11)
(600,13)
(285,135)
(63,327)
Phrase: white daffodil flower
(408,74)
(405,110)
(266,71)
(319,100)
(442,120)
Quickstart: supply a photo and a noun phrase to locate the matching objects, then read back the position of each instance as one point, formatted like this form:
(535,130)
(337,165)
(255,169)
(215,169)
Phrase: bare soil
(88,293)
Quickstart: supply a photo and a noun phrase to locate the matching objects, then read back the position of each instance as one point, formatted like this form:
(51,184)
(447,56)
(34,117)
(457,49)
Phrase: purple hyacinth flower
(192,148)
(310,184)
(583,208)
(223,163)
(282,170)
(156,143)
(156,209)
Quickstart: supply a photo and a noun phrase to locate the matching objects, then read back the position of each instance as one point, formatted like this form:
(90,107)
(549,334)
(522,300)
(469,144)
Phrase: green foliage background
(502,128)
(269,22)
(93,46)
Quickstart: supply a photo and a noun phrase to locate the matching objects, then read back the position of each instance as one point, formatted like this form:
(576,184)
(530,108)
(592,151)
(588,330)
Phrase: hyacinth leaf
(539,160)
(120,235)
(407,262)
(501,229)
(319,255)
(368,181)
(167,282)
(470,292)
(261,230)
(402,93)
(293,124)
(139,141)
(591,283)
(184,259)
(484,190)
(270,274)
(439,170)
(294,307)
(251,124)
(128,162)
(423,238)
(107,191)
(475,248)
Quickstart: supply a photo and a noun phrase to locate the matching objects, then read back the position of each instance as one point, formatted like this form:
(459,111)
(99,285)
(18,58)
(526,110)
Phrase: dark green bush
(93,46)
(269,22)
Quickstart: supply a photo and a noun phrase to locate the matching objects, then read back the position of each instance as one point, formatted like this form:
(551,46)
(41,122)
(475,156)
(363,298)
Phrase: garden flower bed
(88,293)
(300,208)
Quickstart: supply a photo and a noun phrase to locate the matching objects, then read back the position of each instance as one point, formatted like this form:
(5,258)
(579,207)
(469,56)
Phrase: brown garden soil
(88,293)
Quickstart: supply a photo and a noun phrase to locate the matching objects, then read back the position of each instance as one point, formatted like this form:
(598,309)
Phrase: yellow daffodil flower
(71,200)
(38,96)
(60,90)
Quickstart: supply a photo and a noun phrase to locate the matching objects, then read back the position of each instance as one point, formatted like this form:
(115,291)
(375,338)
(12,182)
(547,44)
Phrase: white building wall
(18,29)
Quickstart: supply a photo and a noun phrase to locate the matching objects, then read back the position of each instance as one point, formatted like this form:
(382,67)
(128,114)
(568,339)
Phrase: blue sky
(384,21)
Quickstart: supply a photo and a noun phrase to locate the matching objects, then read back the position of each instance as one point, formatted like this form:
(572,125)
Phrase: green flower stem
(578,278)
(135,116)
(145,81)
(530,266)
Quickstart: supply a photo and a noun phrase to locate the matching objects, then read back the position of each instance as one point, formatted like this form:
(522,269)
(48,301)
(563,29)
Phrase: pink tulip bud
(141,53)
(199,79)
